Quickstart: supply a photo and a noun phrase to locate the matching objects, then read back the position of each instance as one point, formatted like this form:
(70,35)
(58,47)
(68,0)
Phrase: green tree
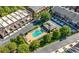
(23,48)
(42,42)
(56,34)
(65,31)
(20,40)
(21,7)
(45,16)
(6,9)
(47,38)
(34,45)
(13,40)
(11,46)
(4,49)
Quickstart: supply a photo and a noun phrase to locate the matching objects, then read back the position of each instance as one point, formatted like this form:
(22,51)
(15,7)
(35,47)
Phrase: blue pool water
(37,33)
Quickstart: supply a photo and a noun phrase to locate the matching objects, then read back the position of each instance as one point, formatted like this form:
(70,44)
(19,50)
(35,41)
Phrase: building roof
(9,22)
(12,18)
(68,13)
(50,25)
(36,9)
(3,22)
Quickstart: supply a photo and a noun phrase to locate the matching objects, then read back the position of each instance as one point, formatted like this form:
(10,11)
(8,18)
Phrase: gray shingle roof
(68,13)
(36,8)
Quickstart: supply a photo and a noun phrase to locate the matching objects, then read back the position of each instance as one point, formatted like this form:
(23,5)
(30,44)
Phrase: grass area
(5,10)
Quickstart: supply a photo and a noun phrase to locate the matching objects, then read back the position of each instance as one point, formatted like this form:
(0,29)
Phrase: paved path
(54,46)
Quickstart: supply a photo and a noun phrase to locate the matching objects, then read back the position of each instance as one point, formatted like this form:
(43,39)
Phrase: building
(36,10)
(14,21)
(65,13)
(49,26)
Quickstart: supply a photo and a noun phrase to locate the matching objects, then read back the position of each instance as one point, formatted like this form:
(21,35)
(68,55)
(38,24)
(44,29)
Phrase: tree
(20,40)
(23,48)
(11,46)
(34,45)
(56,34)
(42,42)
(4,49)
(6,9)
(13,40)
(20,7)
(45,16)
(65,31)
(47,38)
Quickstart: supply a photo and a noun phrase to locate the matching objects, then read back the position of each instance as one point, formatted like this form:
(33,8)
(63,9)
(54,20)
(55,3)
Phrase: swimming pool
(37,32)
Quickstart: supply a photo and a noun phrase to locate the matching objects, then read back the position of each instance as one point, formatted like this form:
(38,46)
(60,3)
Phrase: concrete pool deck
(30,38)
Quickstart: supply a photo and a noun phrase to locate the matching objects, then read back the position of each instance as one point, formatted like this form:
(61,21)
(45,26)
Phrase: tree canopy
(5,10)
(56,34)
(45,16)
(11,46)
(65,30)
(4,49)
(34,45)
(23,48)
(20,40)
(47,38)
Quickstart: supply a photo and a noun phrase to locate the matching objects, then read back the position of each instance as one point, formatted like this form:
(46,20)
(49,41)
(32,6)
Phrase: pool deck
(30,38)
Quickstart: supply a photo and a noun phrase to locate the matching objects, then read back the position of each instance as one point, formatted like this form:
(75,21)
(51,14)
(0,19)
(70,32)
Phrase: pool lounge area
(35,34)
